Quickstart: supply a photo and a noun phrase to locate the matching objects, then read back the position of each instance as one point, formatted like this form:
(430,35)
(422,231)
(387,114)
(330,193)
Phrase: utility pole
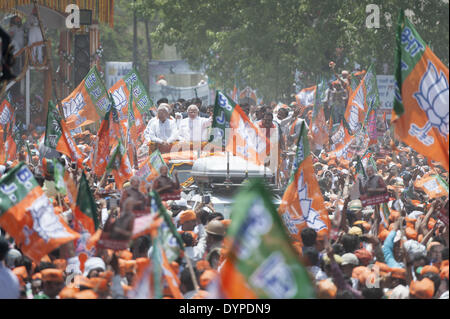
(135,42)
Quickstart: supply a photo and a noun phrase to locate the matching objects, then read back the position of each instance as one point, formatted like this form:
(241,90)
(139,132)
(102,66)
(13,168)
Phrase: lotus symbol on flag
(45,222)
(433,100)
(311,216)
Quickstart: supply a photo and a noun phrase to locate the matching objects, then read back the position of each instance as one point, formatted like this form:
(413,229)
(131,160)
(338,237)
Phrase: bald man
(162,130)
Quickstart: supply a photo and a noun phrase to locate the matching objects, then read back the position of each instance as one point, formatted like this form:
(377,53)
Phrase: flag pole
(48,53)
(191,271)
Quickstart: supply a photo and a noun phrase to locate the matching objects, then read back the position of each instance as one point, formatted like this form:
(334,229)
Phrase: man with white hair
(194,128)
(161,130)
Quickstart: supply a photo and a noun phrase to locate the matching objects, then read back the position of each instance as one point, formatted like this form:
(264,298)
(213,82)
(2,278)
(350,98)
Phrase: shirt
(194,130)
(9,284)
(157,131)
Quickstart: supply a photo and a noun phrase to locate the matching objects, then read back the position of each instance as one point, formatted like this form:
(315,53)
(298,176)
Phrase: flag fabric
(102,145)
(149,169)
(341,143)
(372,128)
(245,139)
(171,240)
(88,103)
(119,165)
(318,126)
(362,100)
(385,213)
(302,204)
(433,185)
(306,97)
(234,93)
(421,102)
(57,136)
(28,215)
(131,98)
(58,176)
(85,214)
(261,262)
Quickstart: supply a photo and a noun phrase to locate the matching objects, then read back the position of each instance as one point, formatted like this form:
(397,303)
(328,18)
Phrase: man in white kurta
(194,129)
(161,130)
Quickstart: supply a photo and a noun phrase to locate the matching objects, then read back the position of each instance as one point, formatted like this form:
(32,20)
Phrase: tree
(262,42)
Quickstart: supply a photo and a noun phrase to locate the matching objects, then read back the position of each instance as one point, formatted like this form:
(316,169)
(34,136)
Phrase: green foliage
(261,43)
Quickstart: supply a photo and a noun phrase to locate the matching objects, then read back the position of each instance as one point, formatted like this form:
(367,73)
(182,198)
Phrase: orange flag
(421,103)
(87,103)
(302,203)
(28,215)
(433,185)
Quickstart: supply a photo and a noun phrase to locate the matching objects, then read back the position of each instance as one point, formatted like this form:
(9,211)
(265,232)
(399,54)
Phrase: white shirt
(159,132)
(194,130)
(9,284)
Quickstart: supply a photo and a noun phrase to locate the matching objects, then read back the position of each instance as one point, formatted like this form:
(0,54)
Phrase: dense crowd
(367,254)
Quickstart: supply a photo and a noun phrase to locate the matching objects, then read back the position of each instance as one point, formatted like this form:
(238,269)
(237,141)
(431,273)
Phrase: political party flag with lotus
(261,262)
(302,204)
(433,185)
(306,97)
(363,99)
(28,216)
(421,102)
(341,143)
(57,136)
(119,165)
(131,97)
(85,214)
(88,103)
(244,139)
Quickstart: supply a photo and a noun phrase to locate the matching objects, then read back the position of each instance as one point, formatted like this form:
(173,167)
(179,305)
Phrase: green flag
(223,109)
(171,239)
(86,209)
(58,175)
(261,253)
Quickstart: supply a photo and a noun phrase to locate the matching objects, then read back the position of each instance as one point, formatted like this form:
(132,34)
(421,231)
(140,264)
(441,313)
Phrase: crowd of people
(367,253)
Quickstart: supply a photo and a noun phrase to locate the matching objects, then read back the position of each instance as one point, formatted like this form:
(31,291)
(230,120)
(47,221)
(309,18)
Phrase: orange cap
(68,292)
(394,215)
(326,289)
(383,235)
(423,289)
(86,294)
(99,284)
(411,233)
(187,215)
(399,273)
(125,254)
(51,274)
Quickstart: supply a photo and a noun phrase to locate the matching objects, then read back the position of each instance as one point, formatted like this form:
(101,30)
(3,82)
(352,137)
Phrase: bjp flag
(28,215)
(433,185)
(87,103)
(421,103)
(260,262)
(302,203)
(306,97)
(57,136)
